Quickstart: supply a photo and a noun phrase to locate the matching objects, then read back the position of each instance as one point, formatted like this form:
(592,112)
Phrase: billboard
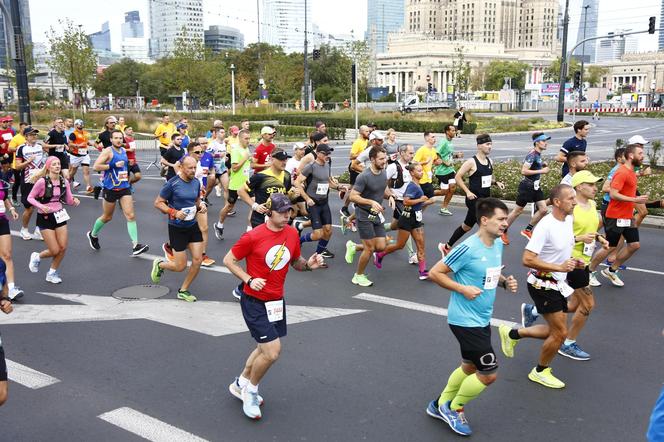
(551,89)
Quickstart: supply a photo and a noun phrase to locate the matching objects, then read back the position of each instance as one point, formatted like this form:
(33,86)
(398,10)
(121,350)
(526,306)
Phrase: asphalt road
(352,368)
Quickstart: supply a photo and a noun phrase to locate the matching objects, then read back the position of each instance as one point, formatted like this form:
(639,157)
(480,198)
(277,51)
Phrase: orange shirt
(80,137)
(624,181)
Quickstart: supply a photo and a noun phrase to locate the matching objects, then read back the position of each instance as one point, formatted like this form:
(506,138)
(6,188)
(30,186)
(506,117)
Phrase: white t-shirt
(393,173)
(553,241)
(567,179)
(292,164)
(363,157)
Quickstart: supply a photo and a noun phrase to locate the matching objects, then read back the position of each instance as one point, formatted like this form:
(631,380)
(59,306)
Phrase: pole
(563,66)
(307,98)
(233,88)
(357,74)
(583,52)
(19,62)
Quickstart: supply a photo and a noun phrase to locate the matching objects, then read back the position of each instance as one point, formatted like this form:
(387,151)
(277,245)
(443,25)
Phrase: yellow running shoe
(546,378)
(507,344)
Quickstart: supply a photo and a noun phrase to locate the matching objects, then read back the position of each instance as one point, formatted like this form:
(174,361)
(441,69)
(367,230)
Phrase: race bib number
(61,216)
(486,181)
(381,218)
(82,150)
(588,249)
(7,137)
(132,144)
(624,222)
(275,310)
(418,215)
(322,189)
(536,184)
(492,277)
(565,289)
(60,149)
(190,213)
(123,175)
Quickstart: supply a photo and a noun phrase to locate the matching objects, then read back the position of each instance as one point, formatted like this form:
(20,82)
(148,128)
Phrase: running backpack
(48,191)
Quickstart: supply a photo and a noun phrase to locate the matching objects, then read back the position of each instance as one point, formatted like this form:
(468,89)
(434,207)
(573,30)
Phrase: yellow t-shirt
(585,221)
(425,155)
(16,141)
(121,127)
(232,141)
(358,146)
(169,129)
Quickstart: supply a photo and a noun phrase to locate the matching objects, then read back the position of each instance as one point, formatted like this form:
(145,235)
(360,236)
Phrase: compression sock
(305,238)
(452,387)
(322,245)
(99,224)
(470,388)
(133,231)
(422,265)
(409,246)
(458,233)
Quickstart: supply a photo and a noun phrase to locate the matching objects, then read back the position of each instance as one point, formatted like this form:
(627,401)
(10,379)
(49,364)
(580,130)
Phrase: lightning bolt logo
(278,255)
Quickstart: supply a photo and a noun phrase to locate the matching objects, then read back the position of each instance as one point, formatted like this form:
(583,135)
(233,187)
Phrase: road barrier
(611,110)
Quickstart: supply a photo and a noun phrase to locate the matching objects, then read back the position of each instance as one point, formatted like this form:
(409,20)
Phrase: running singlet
(79,138)
(585,221)
(268,255)
(477,265)
(204,169)
(480,182)
(116,178)
(218,152)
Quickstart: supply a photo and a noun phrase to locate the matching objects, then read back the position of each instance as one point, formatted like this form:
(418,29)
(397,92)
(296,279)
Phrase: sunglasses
(198,152)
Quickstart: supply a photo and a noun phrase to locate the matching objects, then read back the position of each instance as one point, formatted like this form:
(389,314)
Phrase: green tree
(497,71)
(552,73)
(593,75)
(461,70)
(120,79)
(71,56)
(333,69)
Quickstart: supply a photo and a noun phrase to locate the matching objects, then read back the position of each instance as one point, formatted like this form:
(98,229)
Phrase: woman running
(6,210)
(49,194)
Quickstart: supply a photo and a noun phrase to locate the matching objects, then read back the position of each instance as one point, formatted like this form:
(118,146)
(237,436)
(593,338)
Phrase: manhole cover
(143,291)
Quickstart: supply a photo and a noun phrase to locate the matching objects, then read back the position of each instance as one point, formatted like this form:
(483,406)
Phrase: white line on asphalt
(28,377)
(218,269)
(421,307)
(146,426)
(654,272)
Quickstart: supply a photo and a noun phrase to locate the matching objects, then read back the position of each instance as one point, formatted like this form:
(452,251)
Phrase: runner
(358,146)
(79,140)
(6,208)
(163,133)
(368,192)
(183,130)
(6,307)
(56,144)
(410,221)
(479,169)
(240,170)
(576,143)
(576,161)
(641,209)
(14,144)
(130,146)
(180,200)
(174,154)
(427,157)
(69,127)
(264,149)
(113,162)
(268,250)
(530,190)
(121,125)
(390,144)
(476,264)
(548,255)
(596,108)
(30,158)
(444,171)
(219,150)
(51,191)
(103,141)
(361,163)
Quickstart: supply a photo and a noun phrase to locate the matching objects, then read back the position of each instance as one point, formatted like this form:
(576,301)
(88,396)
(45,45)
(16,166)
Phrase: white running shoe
(15,293)
(412,259)
(217,191)
(34,262)
(37,234)
(53,278)
(25,234)
(250,404)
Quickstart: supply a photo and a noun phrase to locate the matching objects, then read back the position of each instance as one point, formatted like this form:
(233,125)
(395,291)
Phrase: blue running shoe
(455,419)
(432,410)
(573,351)
(527,316)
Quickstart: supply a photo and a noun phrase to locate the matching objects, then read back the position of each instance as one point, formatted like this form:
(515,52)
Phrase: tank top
(480,182)
(585,221)
(116,178)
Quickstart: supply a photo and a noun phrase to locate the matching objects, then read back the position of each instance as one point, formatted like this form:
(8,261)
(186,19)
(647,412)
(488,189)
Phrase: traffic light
(429,87)
(316,54)
(651,25)
(577,79)
(352,73)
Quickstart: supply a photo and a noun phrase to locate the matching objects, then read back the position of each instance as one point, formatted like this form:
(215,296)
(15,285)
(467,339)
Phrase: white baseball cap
(267,130)
(297,146)
(637,139)
(376,135)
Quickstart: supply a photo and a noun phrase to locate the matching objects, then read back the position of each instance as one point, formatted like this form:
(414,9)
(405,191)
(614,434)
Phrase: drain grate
(143,291)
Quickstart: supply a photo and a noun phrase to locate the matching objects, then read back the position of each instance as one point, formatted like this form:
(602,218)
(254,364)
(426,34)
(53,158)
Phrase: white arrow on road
(208,317)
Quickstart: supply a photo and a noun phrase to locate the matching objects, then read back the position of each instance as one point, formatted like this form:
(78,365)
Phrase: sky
(332,16)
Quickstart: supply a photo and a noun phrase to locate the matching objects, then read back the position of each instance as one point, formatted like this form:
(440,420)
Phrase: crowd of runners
(288,192)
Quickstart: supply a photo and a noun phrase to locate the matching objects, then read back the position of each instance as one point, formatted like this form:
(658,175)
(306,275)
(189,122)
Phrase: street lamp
(583,52)
(233,87)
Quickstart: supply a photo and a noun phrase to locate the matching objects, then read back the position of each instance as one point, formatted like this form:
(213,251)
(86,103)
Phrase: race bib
(492,277)
(7,137)
(588,249)
(624,222)
(565,289)
(322,188)
(61,216)
(418,215)
(132,144)
(381,218)
(536,184)
(190,213)
(486,181)
(82,150)
(60,149)
(123,175)
(275,310)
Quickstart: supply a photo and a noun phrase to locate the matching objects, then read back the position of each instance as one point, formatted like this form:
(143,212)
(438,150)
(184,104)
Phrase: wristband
(172,212)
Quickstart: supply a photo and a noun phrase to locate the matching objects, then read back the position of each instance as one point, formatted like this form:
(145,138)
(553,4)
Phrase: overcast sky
(332,16)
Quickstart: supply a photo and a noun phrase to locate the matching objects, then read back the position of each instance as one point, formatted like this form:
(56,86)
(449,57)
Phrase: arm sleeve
(37,191)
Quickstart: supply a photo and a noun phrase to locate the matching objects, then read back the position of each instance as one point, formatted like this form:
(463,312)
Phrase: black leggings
(18,177)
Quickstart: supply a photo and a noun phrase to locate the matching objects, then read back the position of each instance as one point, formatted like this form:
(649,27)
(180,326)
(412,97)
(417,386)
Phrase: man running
(264,149)
(398,178)
(530,190)
(479,169)
(163,133)
(576,161)
(79,141)
(56,143)
(427,157)
(548,254)
(477,267)
(444,171)
(102,142)
(113,162)
(356,149)
(576,143)
(172,155)
(268,250)
(30,158)
(180,199)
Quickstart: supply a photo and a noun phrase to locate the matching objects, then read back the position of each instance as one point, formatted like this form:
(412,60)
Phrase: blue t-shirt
(534,162)
(474,264)
(414,191)
(609,177)
(205,168)
(656,428)
(185,142)
(182,195)
(570,146)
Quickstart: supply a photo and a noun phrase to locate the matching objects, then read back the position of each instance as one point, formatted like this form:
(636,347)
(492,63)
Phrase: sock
(242,381)
(458,233)
(52,270)
(10,285)
(530,227)
(99,224)
(220,225)
(133,232)
(452,387)
(305,238)
(611,269)
(570,341)
(470,388)
(514,334)
(252,388)
(540,368)
(422,265)
(322,245)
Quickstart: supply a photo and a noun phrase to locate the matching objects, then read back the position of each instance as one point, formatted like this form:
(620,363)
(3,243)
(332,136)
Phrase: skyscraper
(24,8)
(282,23)
(101,40)
(132,26)
(222,38)
(384,16)
(589,15)
(180,19)
(660,45)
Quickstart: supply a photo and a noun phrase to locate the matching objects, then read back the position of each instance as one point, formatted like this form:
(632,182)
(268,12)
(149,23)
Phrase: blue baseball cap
(543,137)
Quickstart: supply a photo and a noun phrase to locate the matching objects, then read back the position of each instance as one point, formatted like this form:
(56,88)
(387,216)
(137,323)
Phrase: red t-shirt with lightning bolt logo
(268,255)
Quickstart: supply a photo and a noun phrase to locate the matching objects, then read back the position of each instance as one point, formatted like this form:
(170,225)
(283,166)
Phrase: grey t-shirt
(392,150)
(319,184)
(372,187)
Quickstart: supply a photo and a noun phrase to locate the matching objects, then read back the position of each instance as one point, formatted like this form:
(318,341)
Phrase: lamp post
(233,88)
(563,66)
(583,52)
(307,98)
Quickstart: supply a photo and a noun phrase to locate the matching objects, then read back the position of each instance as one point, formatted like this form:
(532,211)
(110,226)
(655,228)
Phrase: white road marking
(28,377)
(147,427)
(654,272)
(421,307)
(213,268)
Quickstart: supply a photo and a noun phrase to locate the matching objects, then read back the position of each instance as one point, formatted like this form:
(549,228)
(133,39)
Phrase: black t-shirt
(263,184)
(55,137)
(104,138)
(173,155)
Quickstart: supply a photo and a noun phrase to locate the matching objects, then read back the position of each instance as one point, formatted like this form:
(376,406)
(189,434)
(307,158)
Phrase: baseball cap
(280,154)
(584,176)
(324,148)
(181,126)
(5,119)
(234,130)
(376,135)
(297,146)
(542,137)
(30,130)
(267,130)
(637,139)
(279,203)
(78,122)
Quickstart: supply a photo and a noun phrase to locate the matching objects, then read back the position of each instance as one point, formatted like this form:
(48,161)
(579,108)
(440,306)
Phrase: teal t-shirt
(475,264)
(445,150)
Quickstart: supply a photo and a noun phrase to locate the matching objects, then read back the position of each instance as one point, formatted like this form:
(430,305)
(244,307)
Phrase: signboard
(549,89)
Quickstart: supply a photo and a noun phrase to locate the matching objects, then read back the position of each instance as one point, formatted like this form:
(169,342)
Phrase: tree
(552,73)
(461,70)
(593,75)
(71,56)
(333,69)
(497,71)
(120,79)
